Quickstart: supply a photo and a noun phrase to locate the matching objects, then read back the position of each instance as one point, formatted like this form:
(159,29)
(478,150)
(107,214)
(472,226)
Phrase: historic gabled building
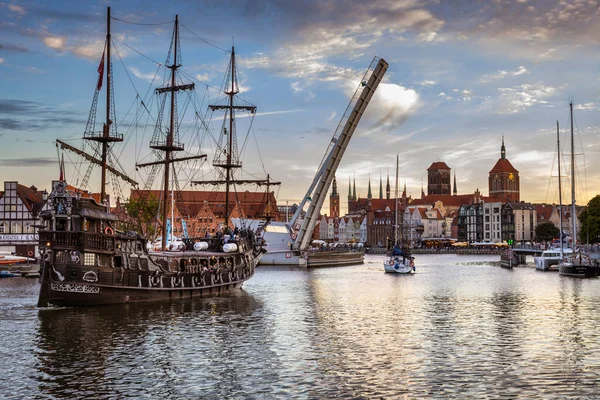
(19,209)
(504,179)
(204,211)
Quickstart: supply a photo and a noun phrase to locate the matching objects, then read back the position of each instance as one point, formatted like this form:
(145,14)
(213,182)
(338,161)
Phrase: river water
(461,327)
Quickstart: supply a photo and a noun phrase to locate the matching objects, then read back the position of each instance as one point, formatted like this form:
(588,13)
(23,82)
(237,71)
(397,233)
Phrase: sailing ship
(550,258)
(578,264)
(87,256)
(399,260)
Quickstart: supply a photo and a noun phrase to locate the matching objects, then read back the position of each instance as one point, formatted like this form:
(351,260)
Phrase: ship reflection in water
(458,328)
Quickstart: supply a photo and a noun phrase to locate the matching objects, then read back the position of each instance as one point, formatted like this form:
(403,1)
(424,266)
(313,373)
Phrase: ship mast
(229,148)
(170,143)
(105,137)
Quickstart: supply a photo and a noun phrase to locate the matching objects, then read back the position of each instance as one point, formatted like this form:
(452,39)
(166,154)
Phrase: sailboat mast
(560,223)
(396,203)
(573,210)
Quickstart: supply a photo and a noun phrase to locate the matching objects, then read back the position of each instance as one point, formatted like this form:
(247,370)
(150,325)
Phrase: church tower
(380,187)
(504,179)
(334,201)
(438,178)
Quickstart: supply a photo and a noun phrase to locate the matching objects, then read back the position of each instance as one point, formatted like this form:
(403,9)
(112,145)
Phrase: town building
(20,207)
(198,213)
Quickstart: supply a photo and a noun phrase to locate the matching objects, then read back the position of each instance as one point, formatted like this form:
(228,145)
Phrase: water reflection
(164,350)
(459,328)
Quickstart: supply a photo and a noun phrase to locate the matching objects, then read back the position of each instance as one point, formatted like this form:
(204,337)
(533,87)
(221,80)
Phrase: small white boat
(399,265)
(550,258)
(400,261)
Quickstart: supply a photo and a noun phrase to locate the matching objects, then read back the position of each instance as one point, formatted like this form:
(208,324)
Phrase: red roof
(544,212)
(438,165)
(254,204)
(503,165)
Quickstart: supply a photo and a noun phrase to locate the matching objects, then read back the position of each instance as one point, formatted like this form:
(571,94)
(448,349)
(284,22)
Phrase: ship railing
(83,241)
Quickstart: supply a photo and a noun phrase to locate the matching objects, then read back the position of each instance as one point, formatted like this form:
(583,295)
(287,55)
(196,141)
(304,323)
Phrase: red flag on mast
(62,168)
(100,72)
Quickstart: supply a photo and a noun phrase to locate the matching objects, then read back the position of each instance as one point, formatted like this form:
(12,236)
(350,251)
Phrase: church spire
(369,195)
(503,149)
(349,188)
(387,186)
(422,191)
(380,187)
(455,192)
(404,191)
(354,189)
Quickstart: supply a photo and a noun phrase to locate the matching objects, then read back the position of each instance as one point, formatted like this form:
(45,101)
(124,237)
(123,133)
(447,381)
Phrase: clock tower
(334,201)
(504,179)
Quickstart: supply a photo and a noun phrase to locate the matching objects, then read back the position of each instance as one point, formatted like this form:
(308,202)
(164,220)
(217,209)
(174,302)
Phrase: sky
(462,75)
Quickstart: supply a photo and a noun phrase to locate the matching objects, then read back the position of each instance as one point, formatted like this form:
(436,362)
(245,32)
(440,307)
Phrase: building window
(16,227)
(4,227)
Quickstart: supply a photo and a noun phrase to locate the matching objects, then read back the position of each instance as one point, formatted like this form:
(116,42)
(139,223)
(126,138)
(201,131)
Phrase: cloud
(12,47)
(427,83)
(518,98)
(299,88)
(392,104)
(500,74)
(17,9)
(149,77)
(325,30)
(34,116)
(1,60)
(29,162)
(91,50)
(55,42)
(586,106)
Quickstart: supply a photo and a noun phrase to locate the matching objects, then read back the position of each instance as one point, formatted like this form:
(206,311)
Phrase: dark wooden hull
(578,270)
(67,286)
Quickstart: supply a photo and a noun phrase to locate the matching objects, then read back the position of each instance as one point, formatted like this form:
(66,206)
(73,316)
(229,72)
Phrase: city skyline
(460,78)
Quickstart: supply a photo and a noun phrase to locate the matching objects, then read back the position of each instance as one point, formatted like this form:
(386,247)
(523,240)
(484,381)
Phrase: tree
(546,231)
(144,212)
(589,222)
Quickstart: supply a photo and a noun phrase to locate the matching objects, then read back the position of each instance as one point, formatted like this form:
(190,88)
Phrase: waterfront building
(201,212)
(518,222)
(492,221)
(20,207)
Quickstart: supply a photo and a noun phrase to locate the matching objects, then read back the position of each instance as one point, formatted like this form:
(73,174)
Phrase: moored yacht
(550,258)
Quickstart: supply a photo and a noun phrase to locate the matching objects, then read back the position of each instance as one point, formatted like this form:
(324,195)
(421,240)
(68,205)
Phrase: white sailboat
(551,257)
(578,264)
(399,262)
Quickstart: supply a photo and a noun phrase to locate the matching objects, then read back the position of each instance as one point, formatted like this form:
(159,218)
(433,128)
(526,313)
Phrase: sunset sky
(461,74)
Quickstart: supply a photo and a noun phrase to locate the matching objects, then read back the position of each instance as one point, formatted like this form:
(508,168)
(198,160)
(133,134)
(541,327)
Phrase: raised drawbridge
(333,156)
